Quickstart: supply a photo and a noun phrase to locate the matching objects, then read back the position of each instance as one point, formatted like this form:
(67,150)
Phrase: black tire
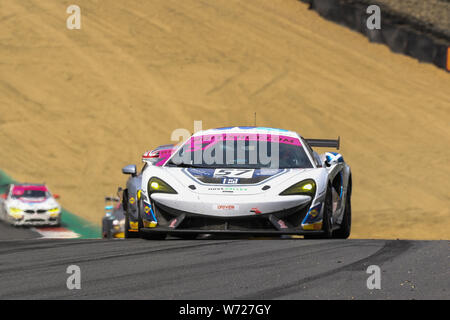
(125,200)
(327,226)
(344,231)
(129,234)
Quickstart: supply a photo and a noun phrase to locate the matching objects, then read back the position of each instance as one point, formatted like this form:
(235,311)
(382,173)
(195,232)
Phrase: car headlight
(16,213)
(54,213)
(305,187)
(157,185)
(14,210)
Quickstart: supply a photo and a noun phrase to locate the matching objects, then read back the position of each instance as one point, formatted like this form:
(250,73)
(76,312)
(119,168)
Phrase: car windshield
(29,193)
(241,151)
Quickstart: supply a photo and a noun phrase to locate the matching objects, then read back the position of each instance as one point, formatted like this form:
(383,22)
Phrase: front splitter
(170,231)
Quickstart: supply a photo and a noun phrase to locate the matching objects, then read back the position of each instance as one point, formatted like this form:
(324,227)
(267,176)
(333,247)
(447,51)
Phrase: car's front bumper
(229,206)
(36,223)
(34,220)
(164,219)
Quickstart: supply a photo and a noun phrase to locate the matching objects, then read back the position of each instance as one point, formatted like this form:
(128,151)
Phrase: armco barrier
(399,35)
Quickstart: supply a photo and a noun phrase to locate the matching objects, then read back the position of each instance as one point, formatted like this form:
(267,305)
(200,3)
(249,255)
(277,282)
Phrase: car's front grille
(206,223)
(40,211)
(34,220)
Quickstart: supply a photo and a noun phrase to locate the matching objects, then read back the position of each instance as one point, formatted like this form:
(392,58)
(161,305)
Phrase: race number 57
(234,173)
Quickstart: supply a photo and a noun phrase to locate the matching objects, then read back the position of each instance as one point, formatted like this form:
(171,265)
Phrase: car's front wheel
(344,231)
(129,234)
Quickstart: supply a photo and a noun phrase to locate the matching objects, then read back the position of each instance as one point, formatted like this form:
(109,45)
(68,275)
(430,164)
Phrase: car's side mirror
(130,169)
(4,196)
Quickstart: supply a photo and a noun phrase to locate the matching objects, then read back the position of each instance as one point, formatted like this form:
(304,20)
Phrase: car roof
(247,130)
(164,147)
(30,186)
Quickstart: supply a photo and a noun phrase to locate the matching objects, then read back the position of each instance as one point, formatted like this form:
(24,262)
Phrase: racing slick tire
(344,231)
(327,225)
(129,234)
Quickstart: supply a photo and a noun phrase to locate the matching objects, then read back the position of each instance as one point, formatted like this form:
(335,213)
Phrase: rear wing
(325,143)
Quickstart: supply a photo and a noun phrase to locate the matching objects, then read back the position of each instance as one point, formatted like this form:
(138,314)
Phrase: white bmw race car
(29,205)
(247,180)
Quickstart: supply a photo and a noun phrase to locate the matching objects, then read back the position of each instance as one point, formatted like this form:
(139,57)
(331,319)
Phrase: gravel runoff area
(429,15)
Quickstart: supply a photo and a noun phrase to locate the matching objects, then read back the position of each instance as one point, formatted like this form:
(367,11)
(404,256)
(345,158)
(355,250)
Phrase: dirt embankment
(77,105)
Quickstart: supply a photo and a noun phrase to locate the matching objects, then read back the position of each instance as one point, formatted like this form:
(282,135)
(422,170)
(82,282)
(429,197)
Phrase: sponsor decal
(234,173)
(255,210)
(150,224)
(133,225)
(230,180)
(313,226)
(232,176)
(313,215)
(282,224)
(225,207)
(314,212)
(150,154)
(235,189)
(173,223)
(132,200)
(227,189)
(207,141)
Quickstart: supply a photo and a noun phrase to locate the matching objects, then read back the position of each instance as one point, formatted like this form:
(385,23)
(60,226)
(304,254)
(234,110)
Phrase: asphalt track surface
(8,232)
(224,269)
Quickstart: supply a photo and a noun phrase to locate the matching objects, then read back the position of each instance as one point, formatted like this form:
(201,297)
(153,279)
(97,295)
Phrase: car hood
(255,182)
(26,204)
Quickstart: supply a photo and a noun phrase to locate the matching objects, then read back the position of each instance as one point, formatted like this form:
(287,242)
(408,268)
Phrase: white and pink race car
(244,180)
(29,205)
